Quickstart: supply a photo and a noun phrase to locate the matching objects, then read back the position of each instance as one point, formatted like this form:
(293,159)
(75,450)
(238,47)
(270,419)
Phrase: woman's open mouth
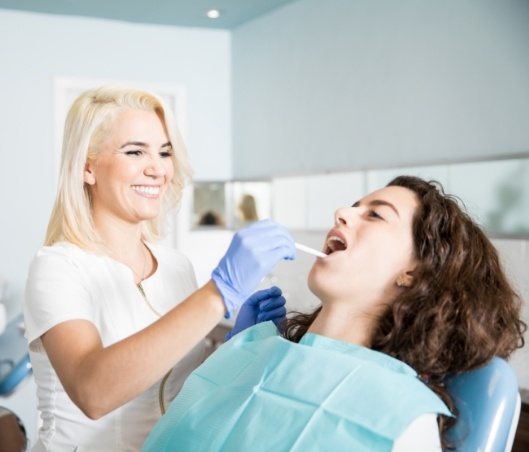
(334,243)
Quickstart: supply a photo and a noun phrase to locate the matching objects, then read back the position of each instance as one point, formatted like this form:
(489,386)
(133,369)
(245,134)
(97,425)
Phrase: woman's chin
(319,283)
(146,214)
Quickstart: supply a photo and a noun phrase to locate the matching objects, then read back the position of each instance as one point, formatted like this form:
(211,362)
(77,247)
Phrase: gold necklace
(141,277)
(147,302)
(142,291)
(161,397)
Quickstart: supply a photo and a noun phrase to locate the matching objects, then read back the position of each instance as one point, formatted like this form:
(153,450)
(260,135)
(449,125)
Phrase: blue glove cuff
(231,299)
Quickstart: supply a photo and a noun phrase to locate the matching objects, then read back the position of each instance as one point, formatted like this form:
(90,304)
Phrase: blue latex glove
(252,253)
(267,304)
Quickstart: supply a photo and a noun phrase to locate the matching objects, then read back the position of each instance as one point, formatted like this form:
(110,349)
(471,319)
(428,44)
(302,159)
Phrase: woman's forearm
(100,379)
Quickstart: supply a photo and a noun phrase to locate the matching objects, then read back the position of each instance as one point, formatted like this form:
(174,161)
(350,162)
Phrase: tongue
(339,246)
(336,245)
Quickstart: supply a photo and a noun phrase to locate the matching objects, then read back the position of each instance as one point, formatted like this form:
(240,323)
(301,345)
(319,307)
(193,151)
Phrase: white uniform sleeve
(421,435)
(55,292)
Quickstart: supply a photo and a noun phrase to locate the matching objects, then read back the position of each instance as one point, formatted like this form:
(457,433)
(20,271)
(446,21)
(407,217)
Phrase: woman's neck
(119,237)
(341,322)
(123,242)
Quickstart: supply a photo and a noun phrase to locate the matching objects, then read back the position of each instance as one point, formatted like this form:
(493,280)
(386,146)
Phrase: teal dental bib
(260,392)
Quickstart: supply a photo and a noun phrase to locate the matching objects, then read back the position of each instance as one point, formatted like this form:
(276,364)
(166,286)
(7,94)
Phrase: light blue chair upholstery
(489,408)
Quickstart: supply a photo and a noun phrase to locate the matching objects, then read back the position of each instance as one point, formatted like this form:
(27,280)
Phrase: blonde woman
(113,320)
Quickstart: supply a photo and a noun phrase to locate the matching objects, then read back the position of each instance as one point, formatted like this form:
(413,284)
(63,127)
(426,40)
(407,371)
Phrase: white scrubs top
(66,283)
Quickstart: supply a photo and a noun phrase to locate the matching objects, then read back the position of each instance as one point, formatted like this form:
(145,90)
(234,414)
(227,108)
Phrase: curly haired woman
(411,290)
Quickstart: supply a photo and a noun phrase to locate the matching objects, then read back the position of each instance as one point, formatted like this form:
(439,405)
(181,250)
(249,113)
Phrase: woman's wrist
(212,294)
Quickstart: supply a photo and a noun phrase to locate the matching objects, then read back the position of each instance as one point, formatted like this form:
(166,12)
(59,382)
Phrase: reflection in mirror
(209,204)
(251,202)
(12,432)
(496,193)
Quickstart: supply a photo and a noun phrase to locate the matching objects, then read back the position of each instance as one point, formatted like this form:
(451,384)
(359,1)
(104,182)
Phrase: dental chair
(489,408)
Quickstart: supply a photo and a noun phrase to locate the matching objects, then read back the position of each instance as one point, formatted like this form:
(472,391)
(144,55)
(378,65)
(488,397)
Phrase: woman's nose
(345,216)
(155,167)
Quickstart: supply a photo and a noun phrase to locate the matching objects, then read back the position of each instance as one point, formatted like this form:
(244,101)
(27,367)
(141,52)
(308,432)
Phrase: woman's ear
(88,174)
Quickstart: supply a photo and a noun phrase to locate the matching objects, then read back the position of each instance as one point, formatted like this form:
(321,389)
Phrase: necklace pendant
(147,302)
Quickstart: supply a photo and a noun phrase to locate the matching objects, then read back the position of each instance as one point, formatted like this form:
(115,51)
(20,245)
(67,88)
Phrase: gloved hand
(267,304)
(252,253)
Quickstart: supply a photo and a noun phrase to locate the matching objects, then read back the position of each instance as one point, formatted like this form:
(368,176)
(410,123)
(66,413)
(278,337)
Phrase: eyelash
(139,152)
(374,214)
(136,153)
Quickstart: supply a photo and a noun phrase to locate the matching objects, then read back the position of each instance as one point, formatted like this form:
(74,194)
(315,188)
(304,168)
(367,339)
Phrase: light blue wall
(350,84)
(35,48)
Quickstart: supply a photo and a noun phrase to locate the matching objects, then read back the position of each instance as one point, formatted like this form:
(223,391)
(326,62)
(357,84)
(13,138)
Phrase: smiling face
(370,251)
(132,168)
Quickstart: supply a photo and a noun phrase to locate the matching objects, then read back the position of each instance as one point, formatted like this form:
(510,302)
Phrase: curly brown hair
(460,310)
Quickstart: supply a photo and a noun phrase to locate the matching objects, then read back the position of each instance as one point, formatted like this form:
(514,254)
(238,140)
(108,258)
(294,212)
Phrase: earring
(401,281)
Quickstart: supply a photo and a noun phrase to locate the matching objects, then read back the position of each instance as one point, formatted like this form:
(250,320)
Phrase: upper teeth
(145,189)
(332,242)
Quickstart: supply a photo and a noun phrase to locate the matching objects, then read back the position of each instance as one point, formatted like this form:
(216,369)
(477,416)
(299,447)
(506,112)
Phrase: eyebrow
(142,144)
(379,202)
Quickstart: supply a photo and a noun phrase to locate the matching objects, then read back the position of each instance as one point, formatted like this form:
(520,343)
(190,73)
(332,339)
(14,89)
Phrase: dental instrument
(309,250)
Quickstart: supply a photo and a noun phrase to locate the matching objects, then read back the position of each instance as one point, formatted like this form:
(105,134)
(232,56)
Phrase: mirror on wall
(251,202)
(232,204)
(209,204)
(495,193)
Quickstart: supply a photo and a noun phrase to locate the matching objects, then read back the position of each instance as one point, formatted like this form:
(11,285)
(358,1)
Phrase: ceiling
(186,13)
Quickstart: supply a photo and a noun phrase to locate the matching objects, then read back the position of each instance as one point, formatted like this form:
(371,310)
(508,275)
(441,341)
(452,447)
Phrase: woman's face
(132,169)
(370,249)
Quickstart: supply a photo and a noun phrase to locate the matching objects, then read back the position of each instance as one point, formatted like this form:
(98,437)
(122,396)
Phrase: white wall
(36,48)
(352,84)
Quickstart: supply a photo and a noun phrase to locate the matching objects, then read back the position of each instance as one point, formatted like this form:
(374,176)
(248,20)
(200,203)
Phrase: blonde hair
(248,208)
(87,124)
